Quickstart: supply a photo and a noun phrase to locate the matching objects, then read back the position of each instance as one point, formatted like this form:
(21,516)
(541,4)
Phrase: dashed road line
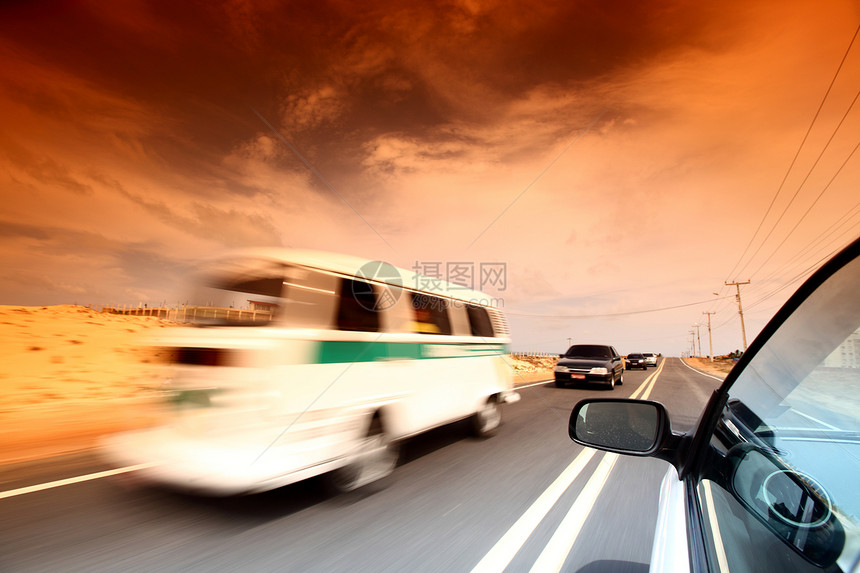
(70,481)
(510,543)
(555,553)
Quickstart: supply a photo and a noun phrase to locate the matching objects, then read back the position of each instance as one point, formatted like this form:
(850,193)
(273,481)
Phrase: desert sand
(69,375)
(719,367)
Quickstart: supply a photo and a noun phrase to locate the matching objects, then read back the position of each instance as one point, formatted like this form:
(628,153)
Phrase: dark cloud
(43,169)
(231,227)
(9,229)
(201,68)
(131,135)
(61,265)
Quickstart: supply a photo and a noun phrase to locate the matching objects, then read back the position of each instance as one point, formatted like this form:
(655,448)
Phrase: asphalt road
(454,503)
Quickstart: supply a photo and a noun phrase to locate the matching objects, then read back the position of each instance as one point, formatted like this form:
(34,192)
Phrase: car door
(617,363)
(775,487)
(767,481)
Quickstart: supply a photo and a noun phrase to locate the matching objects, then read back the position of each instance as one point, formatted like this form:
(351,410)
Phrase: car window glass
(310,298)
(479,321)
(430,314)
(588,351)
(358,308)
(786,453)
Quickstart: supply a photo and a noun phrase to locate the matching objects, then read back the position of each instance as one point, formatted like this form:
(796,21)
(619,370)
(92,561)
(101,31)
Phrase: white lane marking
(648,384)
(700,372)
(556,551)
(72,480)
(510,543)
(717,538)
(653,380)
(541,383)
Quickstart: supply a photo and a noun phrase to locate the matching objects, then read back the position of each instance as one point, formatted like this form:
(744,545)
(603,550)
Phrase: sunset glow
(618,158)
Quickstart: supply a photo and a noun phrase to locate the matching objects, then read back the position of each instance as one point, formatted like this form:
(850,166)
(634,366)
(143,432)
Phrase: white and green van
(300,363)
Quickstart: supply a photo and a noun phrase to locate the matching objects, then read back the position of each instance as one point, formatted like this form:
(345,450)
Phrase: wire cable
(793,161)
(805,179)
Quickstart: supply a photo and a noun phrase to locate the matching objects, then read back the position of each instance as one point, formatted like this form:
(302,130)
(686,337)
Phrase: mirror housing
(626,426)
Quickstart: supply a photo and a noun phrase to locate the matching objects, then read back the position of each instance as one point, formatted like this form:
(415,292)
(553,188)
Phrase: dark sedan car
(599,363)
(636,360)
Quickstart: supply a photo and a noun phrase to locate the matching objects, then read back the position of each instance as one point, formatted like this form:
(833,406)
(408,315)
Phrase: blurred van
(294,364)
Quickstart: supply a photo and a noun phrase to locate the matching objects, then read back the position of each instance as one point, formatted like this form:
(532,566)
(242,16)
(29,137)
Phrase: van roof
(351,265)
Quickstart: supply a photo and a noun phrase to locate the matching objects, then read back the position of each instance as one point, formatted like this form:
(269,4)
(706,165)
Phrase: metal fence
(194,313)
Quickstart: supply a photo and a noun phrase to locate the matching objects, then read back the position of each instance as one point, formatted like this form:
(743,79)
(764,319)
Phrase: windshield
(238,294)
(588,351)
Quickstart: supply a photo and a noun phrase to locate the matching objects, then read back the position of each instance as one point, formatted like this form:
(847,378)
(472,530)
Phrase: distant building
(264,306)
(847,354)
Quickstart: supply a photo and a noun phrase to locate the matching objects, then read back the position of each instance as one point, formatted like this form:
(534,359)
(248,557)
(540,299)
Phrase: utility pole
(692,343)
(737,285)
(568,342)
(699,337)
(710,340)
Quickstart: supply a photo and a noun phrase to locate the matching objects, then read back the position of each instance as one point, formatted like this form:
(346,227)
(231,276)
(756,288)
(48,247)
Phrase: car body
(767,480)
(650,358)
(635,360)
(598,363)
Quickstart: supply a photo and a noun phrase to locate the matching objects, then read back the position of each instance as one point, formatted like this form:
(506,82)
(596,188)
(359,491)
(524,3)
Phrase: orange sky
(616,156)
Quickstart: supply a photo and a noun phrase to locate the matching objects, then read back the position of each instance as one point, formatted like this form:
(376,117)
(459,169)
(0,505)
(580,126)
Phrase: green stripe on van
(332,351)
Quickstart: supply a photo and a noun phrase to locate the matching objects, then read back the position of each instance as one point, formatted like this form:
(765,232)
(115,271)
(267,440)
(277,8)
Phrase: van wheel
(375,458)
(487,420)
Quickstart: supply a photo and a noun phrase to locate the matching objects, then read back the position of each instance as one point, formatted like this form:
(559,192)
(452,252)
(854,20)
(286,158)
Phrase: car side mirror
(635,427)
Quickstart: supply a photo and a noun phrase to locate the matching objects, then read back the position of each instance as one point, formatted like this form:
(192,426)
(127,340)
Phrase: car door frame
(617,364)
(687,452)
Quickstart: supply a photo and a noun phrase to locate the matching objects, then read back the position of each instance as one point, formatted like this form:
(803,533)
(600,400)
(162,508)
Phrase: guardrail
(192,313)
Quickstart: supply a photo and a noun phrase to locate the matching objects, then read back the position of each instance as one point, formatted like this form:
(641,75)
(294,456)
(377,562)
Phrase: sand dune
(68,375)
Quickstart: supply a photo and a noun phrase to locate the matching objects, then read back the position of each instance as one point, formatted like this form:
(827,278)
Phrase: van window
(358,307)
(430,314)
(237,293)
(459,319)
(479,321)
(310,298)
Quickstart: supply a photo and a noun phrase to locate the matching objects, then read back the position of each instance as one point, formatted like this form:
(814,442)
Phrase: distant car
(599,363)
(636,360)
(650,358)
(767,480)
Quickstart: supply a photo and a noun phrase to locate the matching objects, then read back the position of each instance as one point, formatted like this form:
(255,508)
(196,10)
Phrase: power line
(606,315)
(809,249)
(801,275)
(793,161)
(805,179)
(808,270)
